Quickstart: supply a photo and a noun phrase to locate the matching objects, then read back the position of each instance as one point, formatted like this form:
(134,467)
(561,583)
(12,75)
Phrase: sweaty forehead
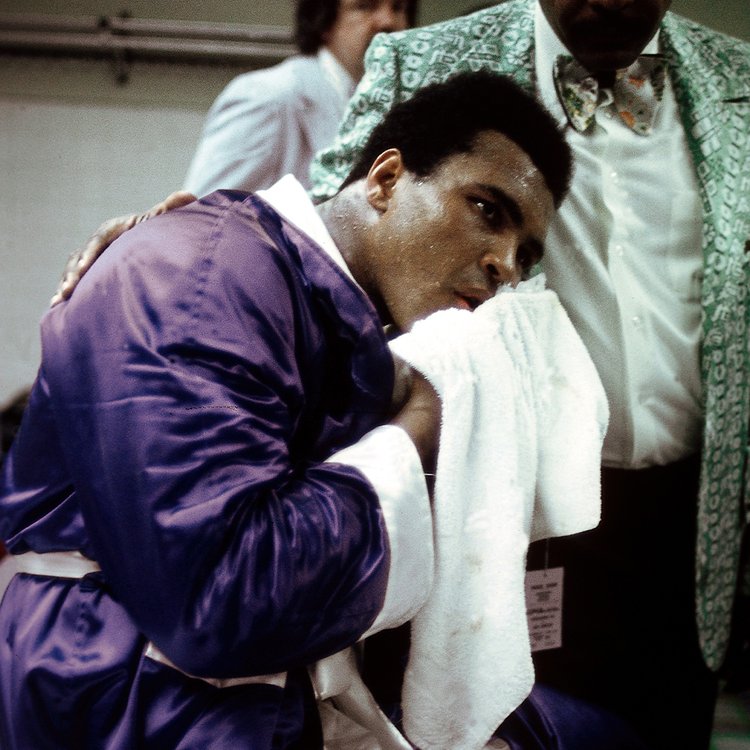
(499,158)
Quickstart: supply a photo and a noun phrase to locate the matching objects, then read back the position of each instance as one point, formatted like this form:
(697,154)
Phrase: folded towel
(523,419)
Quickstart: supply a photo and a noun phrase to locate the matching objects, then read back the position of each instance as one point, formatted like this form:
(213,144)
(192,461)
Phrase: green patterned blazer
(711,77)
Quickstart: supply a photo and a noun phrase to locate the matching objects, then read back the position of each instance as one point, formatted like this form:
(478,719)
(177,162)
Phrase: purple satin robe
(188,394)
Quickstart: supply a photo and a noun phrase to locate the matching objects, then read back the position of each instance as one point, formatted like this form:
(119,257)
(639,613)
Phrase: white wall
(65,168)
(75,149)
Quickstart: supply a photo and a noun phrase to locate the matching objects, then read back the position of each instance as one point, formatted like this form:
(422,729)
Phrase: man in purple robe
(219,479)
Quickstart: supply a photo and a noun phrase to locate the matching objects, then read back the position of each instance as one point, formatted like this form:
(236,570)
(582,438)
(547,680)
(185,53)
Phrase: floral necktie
(636,92)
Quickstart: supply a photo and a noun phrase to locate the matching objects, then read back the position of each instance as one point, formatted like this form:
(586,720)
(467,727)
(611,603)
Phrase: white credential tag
(544,592)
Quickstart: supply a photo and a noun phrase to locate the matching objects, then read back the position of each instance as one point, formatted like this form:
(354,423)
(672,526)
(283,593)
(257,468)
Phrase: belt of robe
(75,565)
(336,677)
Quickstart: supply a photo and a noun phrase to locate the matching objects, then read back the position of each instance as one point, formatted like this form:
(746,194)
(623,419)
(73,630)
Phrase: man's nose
(500,267)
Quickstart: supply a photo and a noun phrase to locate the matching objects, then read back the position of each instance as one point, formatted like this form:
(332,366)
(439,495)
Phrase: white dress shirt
(624,256)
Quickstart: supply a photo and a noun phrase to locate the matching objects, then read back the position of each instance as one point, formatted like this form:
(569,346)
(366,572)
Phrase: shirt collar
(288,198)
(547,47)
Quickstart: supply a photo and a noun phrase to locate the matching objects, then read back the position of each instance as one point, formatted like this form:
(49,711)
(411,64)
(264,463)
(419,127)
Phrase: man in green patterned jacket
(649,254)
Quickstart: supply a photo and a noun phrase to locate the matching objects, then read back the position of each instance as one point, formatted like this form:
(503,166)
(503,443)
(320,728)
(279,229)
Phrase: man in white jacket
(270,122)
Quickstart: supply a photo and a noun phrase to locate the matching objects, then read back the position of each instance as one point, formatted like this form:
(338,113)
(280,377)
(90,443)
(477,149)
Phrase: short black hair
(443,119)
(313,18)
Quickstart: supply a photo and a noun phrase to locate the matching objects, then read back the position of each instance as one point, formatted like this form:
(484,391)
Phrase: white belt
(75,565)
(278,679)
(336,677)
(56,564)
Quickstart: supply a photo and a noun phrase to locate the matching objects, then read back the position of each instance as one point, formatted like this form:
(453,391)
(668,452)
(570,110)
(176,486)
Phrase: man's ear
(381,180)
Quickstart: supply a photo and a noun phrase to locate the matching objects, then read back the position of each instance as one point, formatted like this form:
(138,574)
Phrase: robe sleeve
(179,393)
(389,460)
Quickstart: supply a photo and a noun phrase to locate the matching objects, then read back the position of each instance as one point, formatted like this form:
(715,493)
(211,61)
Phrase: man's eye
(489,209)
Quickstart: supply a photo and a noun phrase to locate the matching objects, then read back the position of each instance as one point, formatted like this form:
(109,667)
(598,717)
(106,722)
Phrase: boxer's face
(451,238)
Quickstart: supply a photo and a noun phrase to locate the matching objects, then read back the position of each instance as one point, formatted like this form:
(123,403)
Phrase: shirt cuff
(388,459)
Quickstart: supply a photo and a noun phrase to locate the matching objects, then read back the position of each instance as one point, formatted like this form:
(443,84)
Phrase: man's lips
(601,33)
(470,299)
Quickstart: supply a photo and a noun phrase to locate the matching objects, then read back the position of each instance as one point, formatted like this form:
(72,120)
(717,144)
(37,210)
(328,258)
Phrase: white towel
(523,419)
